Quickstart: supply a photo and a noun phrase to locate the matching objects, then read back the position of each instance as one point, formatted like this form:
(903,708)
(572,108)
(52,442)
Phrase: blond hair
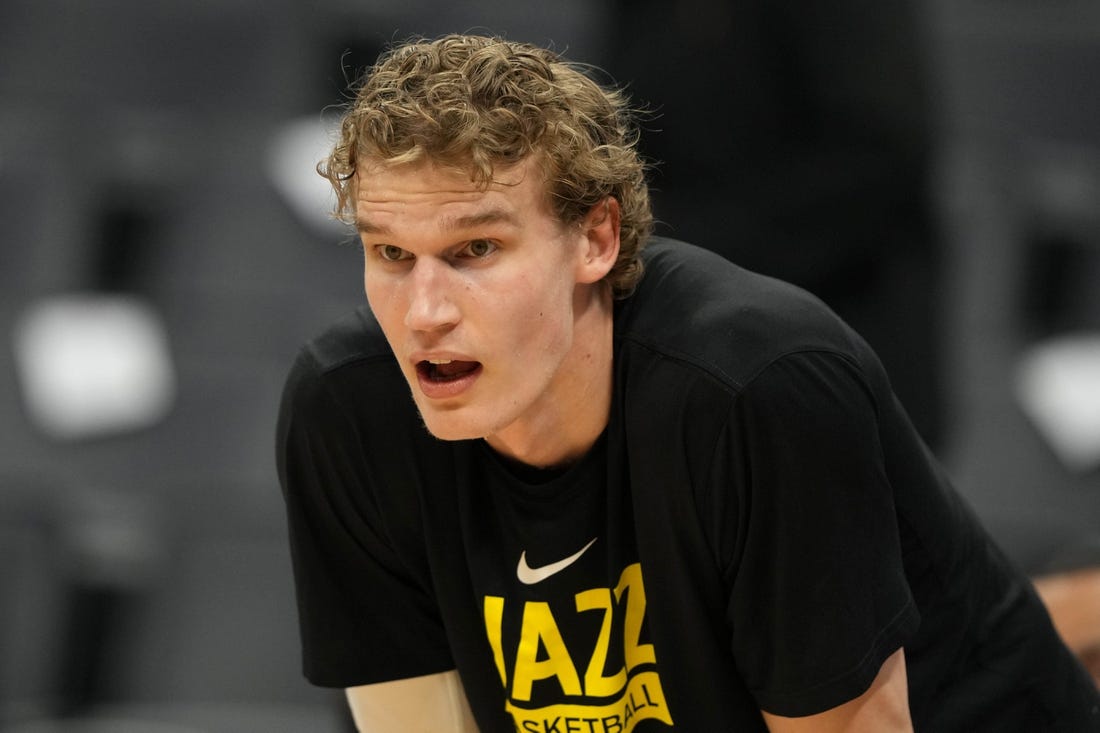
(479,103)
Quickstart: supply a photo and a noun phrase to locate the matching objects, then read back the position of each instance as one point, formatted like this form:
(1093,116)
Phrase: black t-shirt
(758,527)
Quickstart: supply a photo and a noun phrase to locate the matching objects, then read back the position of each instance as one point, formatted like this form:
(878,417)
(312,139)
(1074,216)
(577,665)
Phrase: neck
(576,410)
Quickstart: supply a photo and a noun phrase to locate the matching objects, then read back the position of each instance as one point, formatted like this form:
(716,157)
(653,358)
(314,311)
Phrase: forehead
(426,182)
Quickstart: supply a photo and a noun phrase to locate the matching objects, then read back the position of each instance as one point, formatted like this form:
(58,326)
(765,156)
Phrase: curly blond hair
(476,103)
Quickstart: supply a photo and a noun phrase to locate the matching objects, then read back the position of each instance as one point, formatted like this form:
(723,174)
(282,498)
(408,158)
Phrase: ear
(600,241)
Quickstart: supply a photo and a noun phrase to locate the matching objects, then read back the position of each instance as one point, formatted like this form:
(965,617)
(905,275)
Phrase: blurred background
(930,168)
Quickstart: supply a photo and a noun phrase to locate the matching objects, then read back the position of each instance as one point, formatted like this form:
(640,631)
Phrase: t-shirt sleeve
(819,597)
(366,609)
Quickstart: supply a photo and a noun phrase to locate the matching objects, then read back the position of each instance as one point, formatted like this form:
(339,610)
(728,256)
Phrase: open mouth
(446,370)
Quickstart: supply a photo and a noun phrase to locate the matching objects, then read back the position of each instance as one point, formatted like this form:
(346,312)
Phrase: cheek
(374,299)
(543,318)
(370,287)
(382,301)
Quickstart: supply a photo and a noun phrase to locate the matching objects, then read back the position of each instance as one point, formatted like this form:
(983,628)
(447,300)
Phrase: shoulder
(346,375)
(708,315)
(348,431)
(353,339)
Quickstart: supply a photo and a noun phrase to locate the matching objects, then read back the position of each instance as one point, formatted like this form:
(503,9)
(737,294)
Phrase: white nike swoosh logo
(529,575)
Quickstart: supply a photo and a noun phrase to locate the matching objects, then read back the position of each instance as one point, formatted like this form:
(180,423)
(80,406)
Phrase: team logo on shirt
(577,664)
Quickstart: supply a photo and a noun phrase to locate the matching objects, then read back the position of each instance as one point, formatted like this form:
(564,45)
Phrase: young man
(632,489)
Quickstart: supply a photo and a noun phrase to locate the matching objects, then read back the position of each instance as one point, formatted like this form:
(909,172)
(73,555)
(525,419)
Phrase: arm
(1073,600)
(366,608)
(434,702)
(883,708)
(820,592)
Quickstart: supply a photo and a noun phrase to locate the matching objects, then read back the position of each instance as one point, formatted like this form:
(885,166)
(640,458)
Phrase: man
(635,488)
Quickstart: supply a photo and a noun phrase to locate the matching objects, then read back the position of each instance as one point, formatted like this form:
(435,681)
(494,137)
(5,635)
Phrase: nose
(431,305)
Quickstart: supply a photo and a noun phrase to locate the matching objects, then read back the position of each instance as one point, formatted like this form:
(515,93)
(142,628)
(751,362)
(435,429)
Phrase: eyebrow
(365,226)
(492,216)
(450,224)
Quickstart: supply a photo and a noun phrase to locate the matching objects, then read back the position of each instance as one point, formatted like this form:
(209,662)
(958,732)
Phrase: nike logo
(529,575)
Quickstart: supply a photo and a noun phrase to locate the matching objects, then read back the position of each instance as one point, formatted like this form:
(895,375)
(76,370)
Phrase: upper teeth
(440,361)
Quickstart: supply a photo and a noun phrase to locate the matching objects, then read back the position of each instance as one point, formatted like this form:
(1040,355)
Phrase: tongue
(453,369)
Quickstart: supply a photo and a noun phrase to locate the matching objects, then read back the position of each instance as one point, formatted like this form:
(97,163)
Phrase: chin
(453,427)
(449,433)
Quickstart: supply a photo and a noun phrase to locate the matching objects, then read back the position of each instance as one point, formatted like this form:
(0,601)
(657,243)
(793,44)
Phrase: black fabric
(808,132)
(761,528)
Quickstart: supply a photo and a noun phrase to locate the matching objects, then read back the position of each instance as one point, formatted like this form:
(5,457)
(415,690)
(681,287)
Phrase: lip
(435,389)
